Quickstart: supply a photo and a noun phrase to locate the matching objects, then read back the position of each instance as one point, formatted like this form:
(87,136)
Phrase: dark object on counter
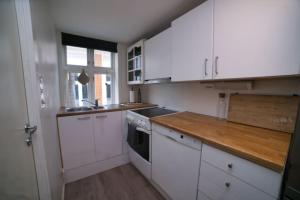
(139,100)
(291,179)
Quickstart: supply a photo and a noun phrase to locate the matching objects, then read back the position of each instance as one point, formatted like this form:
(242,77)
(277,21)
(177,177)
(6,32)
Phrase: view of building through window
(102,58)
(102,84)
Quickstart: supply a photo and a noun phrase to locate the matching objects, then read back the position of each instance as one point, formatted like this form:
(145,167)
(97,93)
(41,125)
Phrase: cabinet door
(255,38)
(158,56)
(108,134)
(76,140)
(192,37)
(175,167)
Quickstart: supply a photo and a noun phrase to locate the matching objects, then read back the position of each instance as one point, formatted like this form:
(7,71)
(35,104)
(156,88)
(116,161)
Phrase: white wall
(47,68)
(196,97)
(122,73)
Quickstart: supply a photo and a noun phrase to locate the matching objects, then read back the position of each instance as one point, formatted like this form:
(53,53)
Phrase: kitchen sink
(77,109)
(83,108)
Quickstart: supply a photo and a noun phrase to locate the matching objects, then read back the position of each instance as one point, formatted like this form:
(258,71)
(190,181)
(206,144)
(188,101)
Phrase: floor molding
(72,175)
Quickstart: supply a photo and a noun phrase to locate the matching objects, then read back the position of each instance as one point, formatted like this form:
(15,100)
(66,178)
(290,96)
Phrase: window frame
(91,70)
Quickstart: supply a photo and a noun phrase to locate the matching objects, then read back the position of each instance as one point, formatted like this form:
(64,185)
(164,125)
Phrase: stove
(139,136)
(153,112)
(141,117)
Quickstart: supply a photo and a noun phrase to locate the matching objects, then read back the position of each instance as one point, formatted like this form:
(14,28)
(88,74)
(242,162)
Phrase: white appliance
(139,137)
(175,163)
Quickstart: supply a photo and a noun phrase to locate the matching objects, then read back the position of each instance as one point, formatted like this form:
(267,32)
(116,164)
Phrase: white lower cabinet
(217,185)
(76,140)
(177,170)
(175,165)
(225,176)
(255,175)
(108,135)
(86,139)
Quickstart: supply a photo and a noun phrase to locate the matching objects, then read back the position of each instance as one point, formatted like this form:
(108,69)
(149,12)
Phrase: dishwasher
(175,163)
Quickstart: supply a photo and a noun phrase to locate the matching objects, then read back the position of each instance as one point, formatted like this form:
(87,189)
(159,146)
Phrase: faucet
(96,105)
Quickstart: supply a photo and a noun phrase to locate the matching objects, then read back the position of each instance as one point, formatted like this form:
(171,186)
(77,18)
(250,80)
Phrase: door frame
(24,21)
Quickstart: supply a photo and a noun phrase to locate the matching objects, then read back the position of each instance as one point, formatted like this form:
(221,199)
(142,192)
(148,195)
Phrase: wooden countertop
(107,108)
(262,146)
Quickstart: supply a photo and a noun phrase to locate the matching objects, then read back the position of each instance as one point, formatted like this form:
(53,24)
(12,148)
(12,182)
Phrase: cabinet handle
(216,65)
(230,165)
(101,116)
(83,118)
(205,66)
(227,184)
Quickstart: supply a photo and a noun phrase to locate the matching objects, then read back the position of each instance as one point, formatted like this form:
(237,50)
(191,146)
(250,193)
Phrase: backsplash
(200,98)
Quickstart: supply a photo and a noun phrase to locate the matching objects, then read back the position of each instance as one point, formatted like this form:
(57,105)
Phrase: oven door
(139,140)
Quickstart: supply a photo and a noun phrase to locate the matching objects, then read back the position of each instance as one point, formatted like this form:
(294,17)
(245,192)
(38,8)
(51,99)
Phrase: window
(102,58)
(100,67)
(76,56)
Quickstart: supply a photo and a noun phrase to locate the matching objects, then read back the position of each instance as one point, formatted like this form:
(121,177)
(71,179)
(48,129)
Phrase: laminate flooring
(120,183)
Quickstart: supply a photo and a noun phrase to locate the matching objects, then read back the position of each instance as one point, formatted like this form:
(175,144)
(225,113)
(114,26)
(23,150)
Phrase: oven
(139,140)
(139,137)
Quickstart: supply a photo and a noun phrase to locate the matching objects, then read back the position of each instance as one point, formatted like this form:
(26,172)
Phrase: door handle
(205,66)
(29,130)
(83,118)
(101,116)
(216,65)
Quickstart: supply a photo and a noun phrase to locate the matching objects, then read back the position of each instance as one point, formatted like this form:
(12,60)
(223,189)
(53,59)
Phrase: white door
(108,135)
(17,168)
(192,41)
(175,167)
(255,38)
(158,56)
(76,140)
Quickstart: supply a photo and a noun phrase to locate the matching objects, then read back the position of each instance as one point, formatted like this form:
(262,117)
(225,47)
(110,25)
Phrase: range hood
(158,80)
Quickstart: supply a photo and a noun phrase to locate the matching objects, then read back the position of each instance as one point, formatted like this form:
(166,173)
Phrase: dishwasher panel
(175,165)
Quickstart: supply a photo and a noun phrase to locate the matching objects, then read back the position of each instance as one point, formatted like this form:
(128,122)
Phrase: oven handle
(143,130)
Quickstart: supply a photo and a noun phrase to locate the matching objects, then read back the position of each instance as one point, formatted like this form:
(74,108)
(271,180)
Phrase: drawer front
(179,137)
(215,184)
(260,177)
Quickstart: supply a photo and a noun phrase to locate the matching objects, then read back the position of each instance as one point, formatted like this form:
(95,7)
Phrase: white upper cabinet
(158,56)
(255,38)
(192,40)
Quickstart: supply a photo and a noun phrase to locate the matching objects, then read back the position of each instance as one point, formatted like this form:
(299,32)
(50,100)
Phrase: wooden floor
(121,183)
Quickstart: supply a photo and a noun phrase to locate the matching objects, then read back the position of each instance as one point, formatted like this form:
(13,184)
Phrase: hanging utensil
(83,78)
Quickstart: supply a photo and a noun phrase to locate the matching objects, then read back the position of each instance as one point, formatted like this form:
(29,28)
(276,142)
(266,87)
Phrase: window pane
(102,58)
(78,92)
(103,88)
(76,56)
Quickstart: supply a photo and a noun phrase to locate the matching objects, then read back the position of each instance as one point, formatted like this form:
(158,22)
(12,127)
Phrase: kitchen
(150,100)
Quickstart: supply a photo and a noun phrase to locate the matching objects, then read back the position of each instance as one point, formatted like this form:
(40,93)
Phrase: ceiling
(117,20)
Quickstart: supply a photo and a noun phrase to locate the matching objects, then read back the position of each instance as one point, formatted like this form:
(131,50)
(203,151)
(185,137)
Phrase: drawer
(179,137)
(215,184)
(260,177)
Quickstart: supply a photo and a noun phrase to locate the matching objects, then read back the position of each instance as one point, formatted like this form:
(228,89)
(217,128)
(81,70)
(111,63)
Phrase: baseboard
(63,192)
(94,168)
(160,190)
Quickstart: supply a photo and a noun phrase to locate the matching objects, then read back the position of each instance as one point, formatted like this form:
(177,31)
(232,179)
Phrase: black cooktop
(153,112)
